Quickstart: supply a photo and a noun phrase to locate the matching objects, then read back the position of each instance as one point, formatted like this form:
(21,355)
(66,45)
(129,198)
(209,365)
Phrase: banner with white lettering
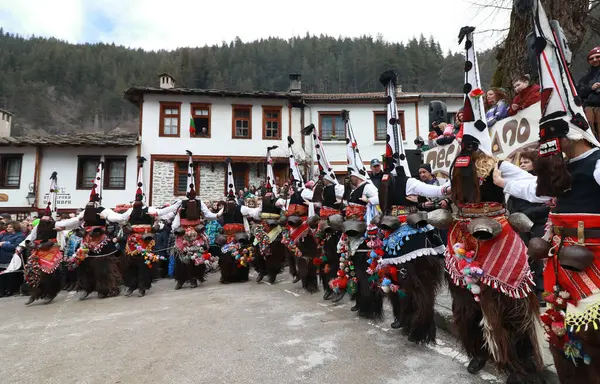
(510,136)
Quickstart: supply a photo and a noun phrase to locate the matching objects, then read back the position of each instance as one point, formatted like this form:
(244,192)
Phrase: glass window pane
(381,121)
(201,112)
(13,172)
(326,127)
(88,173)
(116,174)
(340,131)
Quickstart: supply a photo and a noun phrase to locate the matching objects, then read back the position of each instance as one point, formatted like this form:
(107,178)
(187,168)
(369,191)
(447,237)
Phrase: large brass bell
(417,220)
(440,218)
(520,222)
(484,228)
(575,258)
(538,248)
(354,228)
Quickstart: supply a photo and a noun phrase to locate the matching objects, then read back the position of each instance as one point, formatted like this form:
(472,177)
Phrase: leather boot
(48,300)
(178,285)
(396,324)
(272,279)
(142,292)
(194,283)
(30,300)
(328,295)
(129,292)
(84,295)
(260,277)
(296,279)
(355,308)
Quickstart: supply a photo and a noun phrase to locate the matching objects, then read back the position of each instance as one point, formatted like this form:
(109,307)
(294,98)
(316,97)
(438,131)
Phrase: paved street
(237,333)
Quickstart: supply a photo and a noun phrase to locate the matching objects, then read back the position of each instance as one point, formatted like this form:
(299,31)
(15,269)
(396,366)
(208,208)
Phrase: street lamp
(31,195)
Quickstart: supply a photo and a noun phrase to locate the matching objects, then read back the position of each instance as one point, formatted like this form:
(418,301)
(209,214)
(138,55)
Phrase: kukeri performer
(238,251)
(354,248)
(302,247)
(328,194)
(493,303)
(42,273)
(191,242)
(96,259)
(405,261)
(140,249)
(268,234)
(571,246)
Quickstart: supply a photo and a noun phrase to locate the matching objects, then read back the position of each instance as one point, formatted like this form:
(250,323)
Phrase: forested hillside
(54,86)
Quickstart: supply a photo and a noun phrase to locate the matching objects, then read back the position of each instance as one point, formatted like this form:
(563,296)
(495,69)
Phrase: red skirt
(503,259)
(579,284)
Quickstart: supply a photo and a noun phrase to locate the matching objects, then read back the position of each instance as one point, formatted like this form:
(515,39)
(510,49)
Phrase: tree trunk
(512,56)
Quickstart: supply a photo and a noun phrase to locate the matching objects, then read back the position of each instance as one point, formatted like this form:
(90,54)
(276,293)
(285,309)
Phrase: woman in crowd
(496,106)
(9,240)
(527,94)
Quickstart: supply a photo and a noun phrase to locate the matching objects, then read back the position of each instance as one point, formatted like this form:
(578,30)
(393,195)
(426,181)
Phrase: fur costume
(494,305)
(405,260)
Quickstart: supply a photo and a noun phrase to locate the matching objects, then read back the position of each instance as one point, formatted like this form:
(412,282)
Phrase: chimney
(295,83)
(166,81)
(5,123)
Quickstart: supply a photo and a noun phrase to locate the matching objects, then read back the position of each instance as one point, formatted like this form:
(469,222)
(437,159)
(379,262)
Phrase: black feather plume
(54,175)
(345,115)
(290,141)
(464,31)
(189,153)
(524,7)
(388,76)
(141,160)
(306,131)
(228,160)
(272,148)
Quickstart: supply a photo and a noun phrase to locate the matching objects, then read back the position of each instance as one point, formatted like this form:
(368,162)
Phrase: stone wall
(252,178)
(212,183)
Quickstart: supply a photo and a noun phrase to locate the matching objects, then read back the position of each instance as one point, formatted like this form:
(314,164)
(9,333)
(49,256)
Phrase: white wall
(17,197)
(64,161)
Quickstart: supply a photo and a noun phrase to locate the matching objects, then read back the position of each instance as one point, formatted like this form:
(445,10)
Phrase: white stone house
(241,125)
(26,164)
(228,124)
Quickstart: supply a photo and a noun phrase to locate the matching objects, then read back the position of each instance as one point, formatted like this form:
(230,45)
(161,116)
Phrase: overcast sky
(159,24)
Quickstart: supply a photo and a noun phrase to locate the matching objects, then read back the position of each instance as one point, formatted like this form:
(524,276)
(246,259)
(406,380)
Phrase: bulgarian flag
(192,126)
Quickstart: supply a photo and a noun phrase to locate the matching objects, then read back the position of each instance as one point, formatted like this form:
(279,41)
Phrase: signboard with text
(62,198)
(510,136)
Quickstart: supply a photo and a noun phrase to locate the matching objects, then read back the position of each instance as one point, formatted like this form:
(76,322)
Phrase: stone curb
(443,320)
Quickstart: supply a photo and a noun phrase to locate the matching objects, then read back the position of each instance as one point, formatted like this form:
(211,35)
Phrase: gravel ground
(236,333)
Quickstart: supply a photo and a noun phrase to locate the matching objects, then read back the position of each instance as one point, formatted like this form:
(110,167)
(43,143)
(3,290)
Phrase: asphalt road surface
(236,333)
